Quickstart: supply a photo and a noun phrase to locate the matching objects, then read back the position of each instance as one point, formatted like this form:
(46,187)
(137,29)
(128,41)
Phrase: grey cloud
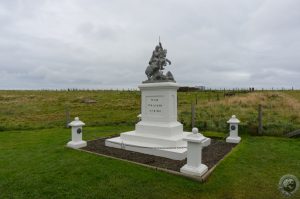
(104,44)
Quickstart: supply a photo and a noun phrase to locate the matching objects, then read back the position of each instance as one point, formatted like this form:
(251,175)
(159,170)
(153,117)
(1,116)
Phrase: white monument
(76,141)
(233,128)
(195,142)
(158,133)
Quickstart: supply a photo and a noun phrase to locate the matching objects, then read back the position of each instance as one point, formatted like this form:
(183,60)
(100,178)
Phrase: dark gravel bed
(211,154)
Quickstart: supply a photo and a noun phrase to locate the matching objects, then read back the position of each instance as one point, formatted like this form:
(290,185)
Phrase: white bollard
(76,141)
(140,117)
(195,143)
(233,128)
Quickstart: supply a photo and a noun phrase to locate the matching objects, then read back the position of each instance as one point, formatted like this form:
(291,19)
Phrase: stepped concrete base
(158,128)
(76,145)
(197,171)
(147,144)
(235,140)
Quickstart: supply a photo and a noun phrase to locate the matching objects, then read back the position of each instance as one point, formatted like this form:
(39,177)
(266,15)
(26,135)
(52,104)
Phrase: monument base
(235,140)
(158,133)
(173,148)
(197,171)
(76,145)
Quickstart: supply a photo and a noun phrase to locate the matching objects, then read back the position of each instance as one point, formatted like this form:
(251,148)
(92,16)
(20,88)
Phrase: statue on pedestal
(157,62)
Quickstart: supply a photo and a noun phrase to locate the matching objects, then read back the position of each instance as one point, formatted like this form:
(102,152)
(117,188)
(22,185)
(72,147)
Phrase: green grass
(36,164)
(21,110)
(216,135)
(280,111)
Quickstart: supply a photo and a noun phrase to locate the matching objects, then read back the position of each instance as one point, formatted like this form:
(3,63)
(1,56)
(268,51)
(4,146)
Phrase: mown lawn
(36,164)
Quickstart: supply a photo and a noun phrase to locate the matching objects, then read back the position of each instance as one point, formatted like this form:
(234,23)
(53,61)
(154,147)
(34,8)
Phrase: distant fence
(181,89)
(276,120)
(211,113)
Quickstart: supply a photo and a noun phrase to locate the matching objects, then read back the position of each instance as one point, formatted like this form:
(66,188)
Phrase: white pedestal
(77,145)
(235,140)
(194,164)
(158,128)
(233,134)
(233,130)
(76,141)
(195,171)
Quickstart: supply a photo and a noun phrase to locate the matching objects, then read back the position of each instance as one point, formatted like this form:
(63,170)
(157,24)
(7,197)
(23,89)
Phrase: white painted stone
(76,141)
(233,130)
(158,128)
(195,142)
(140,117)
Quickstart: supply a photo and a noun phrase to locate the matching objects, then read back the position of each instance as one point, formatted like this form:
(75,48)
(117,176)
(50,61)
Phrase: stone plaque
(154,105)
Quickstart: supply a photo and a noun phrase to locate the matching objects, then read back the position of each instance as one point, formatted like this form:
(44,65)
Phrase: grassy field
(36,164)
(21,110)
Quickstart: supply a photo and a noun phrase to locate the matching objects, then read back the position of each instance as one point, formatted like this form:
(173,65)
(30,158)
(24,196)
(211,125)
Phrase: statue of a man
(158,60)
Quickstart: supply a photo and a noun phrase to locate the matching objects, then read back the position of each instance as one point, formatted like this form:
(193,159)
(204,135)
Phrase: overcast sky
(107,44)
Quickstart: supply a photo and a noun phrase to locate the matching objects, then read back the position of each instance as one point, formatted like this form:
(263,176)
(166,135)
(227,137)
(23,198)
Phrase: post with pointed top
(76,141)
(233,128)
(260,124)
(195,143)
(193,115)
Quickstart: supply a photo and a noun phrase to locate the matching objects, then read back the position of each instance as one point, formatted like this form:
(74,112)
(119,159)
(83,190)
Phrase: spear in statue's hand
(159,42)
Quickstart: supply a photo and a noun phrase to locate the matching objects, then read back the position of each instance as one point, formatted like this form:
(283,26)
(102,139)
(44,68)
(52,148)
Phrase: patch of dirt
(88,101)
(211,154)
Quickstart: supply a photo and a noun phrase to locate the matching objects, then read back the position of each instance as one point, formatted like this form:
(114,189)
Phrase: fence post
(260,125)
(67,117)
(193,115)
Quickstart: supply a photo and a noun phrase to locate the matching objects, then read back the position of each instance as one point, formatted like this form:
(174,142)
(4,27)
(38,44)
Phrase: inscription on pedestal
(154,105)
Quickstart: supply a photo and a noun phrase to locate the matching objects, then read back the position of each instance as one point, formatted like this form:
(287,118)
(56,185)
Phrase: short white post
(233,128)
(140,117)
(195,143)
(76,141)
